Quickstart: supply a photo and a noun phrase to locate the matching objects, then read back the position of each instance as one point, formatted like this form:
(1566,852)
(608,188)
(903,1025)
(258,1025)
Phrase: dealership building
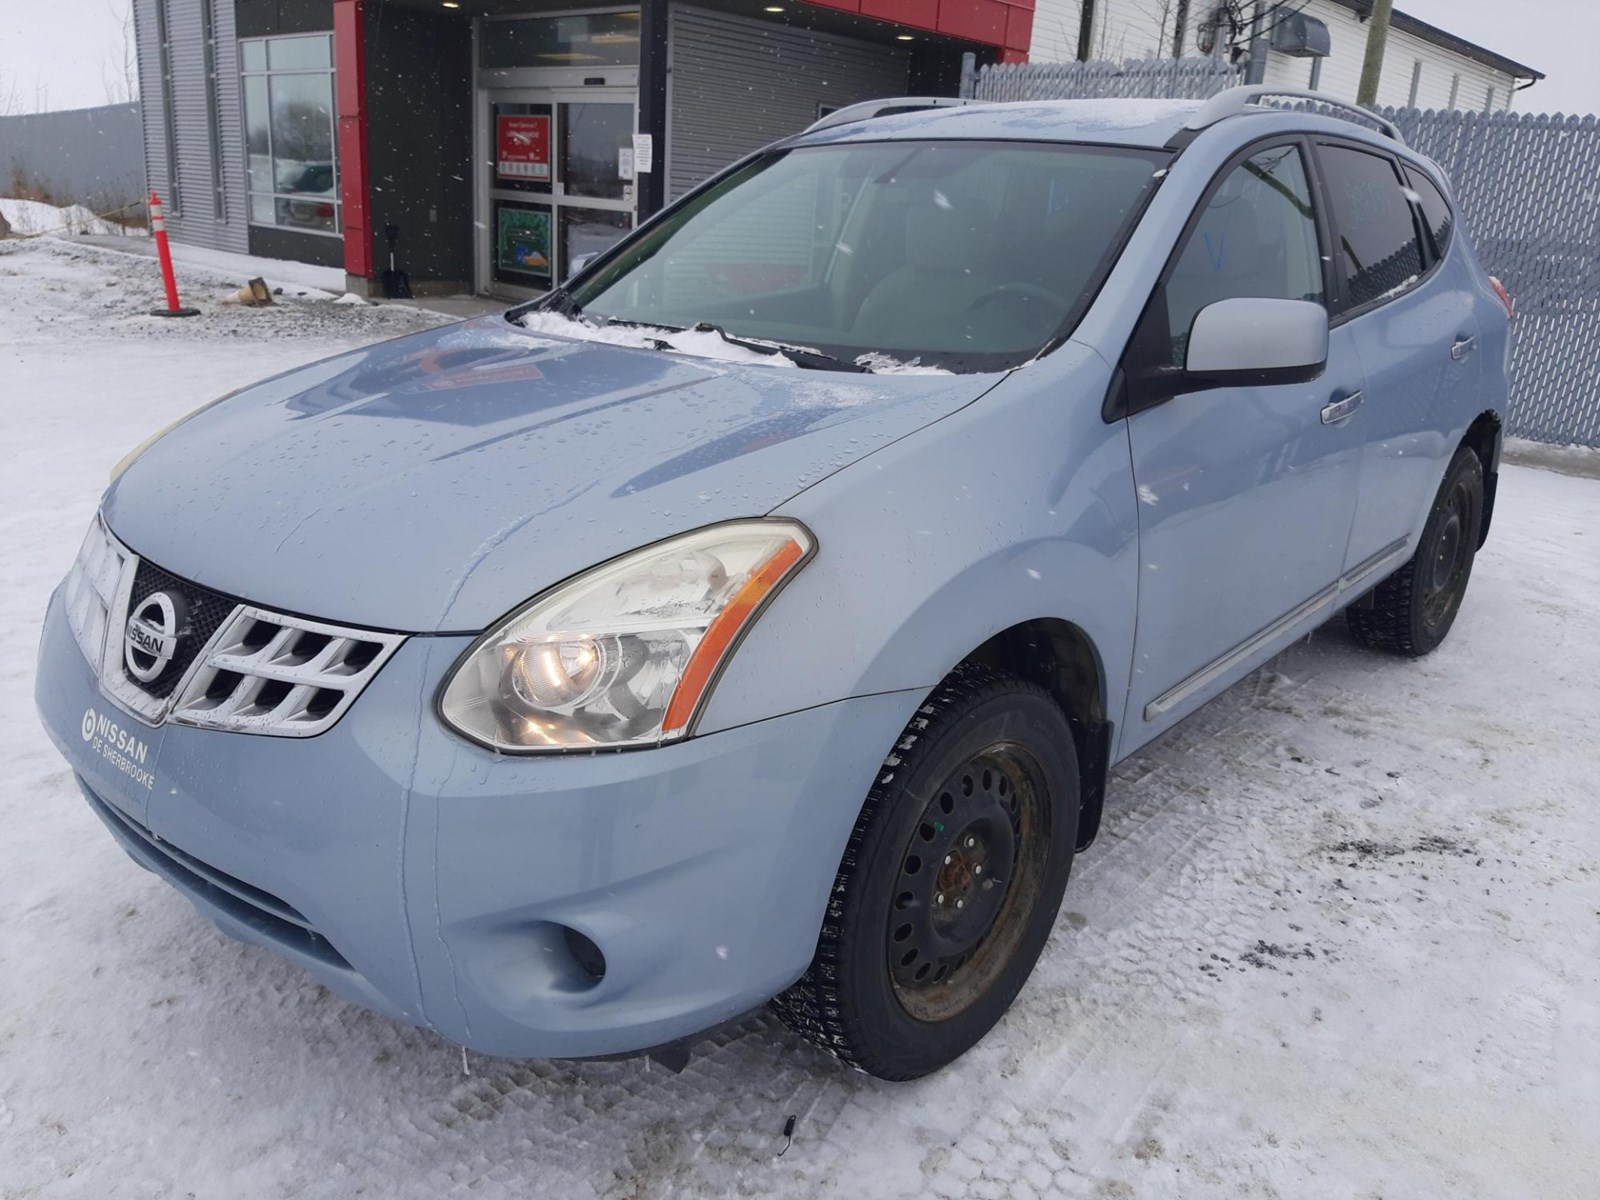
(502,139)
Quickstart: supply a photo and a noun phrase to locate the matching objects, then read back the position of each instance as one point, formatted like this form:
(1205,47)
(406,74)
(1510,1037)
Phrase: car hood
(434,482)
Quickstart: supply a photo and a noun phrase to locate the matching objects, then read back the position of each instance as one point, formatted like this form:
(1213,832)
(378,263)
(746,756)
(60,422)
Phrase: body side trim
(1209,674)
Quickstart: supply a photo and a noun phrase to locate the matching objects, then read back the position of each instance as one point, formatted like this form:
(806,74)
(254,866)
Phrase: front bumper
(431,880)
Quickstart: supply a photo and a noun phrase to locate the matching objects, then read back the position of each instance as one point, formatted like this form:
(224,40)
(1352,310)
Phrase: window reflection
(290,141)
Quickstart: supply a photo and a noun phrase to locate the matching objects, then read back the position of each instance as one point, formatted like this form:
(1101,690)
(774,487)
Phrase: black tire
(1411,612)
(984,774)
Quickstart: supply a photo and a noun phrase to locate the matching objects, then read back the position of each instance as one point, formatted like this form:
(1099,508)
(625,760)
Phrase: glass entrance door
(556,183)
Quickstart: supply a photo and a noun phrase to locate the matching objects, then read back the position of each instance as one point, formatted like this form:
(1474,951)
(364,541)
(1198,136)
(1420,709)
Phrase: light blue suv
(758,615)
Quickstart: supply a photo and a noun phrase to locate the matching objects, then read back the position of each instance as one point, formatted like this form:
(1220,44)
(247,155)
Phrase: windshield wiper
(561,302)
(800,356)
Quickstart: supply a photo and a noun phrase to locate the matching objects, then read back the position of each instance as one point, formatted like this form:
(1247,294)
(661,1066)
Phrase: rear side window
(1379,253)
(1436,214)
(1255,238)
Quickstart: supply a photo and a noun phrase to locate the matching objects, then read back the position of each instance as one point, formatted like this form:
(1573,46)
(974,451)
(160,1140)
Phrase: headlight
(625,654)
(91,589)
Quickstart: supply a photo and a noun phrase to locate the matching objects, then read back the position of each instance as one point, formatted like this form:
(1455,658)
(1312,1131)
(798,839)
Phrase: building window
(587,40)
(289,123)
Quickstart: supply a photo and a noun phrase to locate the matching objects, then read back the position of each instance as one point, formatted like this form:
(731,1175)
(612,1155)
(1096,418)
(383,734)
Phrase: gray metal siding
(91,156)
(192,212)
(148,45)
(737,84)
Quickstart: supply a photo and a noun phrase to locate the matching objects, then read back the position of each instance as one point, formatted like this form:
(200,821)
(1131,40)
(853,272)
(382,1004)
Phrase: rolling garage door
(737,84)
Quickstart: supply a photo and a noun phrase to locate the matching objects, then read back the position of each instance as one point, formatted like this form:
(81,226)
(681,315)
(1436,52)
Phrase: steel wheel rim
(1447,566)
(967,881)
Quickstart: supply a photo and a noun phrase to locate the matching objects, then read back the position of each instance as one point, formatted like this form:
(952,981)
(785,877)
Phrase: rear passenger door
(1411,310)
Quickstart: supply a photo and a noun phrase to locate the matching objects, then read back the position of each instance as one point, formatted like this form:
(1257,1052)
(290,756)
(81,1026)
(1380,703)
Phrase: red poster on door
(522,148)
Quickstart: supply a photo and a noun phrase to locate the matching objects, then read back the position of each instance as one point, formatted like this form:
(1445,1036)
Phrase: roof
(1118,122)
(1406,23)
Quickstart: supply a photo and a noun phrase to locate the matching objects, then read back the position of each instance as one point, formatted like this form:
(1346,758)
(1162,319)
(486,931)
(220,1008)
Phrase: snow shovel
(396,284)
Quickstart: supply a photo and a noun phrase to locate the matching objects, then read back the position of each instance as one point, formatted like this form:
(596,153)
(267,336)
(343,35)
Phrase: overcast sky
(59,52)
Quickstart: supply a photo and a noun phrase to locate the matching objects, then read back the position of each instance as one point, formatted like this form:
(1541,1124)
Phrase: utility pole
(1180,22)
(1377,44)
(1086,31)
(1260,47)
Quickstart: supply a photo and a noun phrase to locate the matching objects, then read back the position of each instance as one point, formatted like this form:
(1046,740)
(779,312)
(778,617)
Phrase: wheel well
(1483,438)
(1059,657)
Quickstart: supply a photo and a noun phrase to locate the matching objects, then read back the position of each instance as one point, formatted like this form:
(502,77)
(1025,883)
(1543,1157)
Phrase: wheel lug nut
(977,870)
(961,903)
(971,842)
(947,860)
(939,899)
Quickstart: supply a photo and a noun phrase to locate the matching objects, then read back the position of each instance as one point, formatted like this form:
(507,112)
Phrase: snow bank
(28,217)
(277,272)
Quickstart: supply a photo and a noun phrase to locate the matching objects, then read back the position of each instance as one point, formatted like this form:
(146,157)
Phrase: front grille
(206,611)
(266,672)
(232,665)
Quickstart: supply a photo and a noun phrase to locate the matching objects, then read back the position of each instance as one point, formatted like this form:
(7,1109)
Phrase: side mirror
(579,262)
(1257,343)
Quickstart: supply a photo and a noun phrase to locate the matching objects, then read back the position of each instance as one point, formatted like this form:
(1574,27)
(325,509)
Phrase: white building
(1425,66)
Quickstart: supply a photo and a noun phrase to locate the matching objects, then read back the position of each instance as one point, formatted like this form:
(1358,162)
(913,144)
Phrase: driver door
(1246,494)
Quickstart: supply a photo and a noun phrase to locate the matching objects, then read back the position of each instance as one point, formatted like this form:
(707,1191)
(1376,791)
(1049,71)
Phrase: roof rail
(1236,100)
(868,109)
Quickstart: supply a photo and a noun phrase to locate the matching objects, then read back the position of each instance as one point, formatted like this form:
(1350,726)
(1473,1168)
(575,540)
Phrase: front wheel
(1411,612)
(950,883)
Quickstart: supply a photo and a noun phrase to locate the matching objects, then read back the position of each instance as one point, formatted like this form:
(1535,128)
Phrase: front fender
(1017,507)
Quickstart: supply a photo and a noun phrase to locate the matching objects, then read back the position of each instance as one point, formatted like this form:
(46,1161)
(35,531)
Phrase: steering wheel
(1020,291)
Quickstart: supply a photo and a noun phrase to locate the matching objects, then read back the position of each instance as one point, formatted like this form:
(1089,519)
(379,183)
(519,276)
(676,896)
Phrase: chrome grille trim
(257,673)
(283,687)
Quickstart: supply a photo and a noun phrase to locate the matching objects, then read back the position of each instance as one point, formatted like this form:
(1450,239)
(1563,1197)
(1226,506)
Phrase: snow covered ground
(1340,936)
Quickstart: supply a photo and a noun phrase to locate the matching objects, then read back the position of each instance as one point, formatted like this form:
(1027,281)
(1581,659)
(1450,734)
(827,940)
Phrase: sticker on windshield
(118,746)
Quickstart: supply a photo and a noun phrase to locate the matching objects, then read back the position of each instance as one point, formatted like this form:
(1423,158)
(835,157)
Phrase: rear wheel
(1411,612)
(950,883)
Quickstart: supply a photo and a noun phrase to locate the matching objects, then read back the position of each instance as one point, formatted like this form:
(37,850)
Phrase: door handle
(1462,348)
(1338,410)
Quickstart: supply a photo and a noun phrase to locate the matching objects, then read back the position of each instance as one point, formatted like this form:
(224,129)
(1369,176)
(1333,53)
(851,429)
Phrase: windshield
(962,255)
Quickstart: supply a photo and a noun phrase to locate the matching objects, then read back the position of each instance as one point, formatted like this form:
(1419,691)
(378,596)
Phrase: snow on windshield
(697,343)
(885,364)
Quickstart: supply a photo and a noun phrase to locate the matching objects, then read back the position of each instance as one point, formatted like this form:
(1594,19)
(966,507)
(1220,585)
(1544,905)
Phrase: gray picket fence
(1528,187)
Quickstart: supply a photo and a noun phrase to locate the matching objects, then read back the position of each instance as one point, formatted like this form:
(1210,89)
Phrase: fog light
(585,953)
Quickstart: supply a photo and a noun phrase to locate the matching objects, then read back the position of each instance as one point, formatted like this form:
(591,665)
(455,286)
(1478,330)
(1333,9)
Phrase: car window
(1256,238)
(782,244)
(1436,214)
(1379,253)
(965,255)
